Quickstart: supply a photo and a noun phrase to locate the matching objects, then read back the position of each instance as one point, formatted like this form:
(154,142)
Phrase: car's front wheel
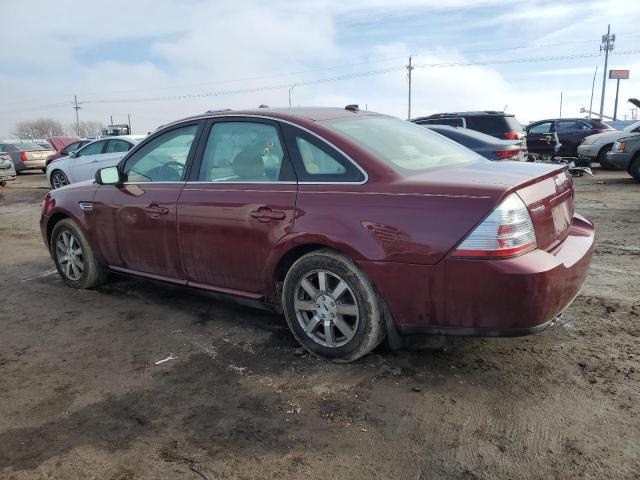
(74,257)
(634,168)
(58,179)
(602,158)
(331,307)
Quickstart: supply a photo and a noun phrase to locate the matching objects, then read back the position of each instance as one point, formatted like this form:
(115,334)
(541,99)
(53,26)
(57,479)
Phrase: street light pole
(607,45)
(593,86)
(291,90)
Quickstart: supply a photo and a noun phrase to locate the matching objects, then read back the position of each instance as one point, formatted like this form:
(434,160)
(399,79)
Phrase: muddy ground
(82,397)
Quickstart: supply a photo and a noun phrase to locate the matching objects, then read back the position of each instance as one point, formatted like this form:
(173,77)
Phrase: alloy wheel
(70,256)
(326,308)
(58,179)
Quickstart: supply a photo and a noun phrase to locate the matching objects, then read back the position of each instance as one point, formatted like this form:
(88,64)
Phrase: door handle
(265,214)
(156,210)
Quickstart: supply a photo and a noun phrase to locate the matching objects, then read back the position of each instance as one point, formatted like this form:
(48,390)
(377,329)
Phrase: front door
(239,203)
(140,213)
(86,163)
(542,139)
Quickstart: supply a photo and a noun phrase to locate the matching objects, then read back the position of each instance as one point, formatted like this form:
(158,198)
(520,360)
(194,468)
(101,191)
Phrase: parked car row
(354,224)
(7,169)
(27,155)
(82,164)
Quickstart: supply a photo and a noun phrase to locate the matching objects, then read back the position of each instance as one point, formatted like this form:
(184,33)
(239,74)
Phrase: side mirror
(73,154)
(108,176)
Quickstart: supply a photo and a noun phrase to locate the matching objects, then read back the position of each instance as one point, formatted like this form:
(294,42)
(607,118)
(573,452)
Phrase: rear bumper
(508,297)
(621,160)
(34,164)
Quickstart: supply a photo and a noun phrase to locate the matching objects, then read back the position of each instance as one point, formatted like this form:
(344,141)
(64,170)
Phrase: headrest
(248,165)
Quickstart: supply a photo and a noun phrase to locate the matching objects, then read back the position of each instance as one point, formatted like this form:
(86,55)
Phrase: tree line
(48,127)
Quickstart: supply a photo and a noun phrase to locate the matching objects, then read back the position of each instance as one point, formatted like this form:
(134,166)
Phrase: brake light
(23,156)
(512,135)
(48,204)
(508,153)
(506,232)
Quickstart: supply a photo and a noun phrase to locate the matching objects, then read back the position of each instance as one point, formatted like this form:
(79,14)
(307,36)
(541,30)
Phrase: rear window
(600,125)
(406,147)
(493,124)
(28,147)
(451,121)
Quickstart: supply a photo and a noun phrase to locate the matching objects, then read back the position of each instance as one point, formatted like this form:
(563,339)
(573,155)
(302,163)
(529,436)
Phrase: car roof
(120,137)
(476,113)
(470,133)
(292,114)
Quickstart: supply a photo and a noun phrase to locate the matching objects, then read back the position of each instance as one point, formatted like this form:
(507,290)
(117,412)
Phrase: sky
(160,60)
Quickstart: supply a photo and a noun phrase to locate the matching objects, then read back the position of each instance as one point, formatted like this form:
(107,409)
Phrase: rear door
(239,202)
(114,151)
(570,134)
(86,162)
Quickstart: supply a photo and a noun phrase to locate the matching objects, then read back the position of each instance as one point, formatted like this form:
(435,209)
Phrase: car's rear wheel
(74,257)
(331,307)
(58,179)
(634,168)
(602,158)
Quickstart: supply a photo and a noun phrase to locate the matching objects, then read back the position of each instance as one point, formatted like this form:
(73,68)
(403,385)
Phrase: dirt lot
(82,397)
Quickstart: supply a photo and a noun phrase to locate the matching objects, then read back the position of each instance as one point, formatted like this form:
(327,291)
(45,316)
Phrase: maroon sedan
(356,225)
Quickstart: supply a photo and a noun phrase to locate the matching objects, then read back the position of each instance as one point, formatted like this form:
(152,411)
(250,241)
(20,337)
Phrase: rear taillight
(47,204)
(23,156)
(508,153)
(512,135)
(506,232)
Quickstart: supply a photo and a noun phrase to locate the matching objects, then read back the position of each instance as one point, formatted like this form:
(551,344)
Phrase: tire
(66,238)
(602,158)
(634,168)
(354,322)
(58,179)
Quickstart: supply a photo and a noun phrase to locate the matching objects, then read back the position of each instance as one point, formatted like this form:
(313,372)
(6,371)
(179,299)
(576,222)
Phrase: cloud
(150,49)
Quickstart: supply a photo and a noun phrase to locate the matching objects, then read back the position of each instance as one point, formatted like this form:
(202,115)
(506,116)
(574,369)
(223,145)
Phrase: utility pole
(77,107)
(409,69)
(111,120)
(593,86)
(607,46)
(129,120)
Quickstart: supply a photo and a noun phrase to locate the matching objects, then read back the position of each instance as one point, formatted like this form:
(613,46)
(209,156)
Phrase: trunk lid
(546,190)
(551,207)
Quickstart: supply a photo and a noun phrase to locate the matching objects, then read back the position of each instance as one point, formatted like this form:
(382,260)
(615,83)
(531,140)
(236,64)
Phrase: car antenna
(505,108)
(262,105)
(352,107)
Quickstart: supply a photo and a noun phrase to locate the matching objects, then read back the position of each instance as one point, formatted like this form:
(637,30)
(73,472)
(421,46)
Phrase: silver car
(595,147)
(7,170)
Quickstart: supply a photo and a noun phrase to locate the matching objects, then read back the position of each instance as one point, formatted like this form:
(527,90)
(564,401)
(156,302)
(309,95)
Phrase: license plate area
(561,217)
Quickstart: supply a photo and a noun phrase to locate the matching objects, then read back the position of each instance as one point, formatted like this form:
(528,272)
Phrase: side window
(117,146)
(317,162)
(568,126)
(242,152)
(162,159)
(541,128)
(92,149)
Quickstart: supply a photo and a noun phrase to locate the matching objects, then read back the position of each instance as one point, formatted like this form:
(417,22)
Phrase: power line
(342,77)
(452,49)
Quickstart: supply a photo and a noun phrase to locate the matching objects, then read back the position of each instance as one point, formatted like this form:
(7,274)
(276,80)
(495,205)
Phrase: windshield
(632,127)
(406,147)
